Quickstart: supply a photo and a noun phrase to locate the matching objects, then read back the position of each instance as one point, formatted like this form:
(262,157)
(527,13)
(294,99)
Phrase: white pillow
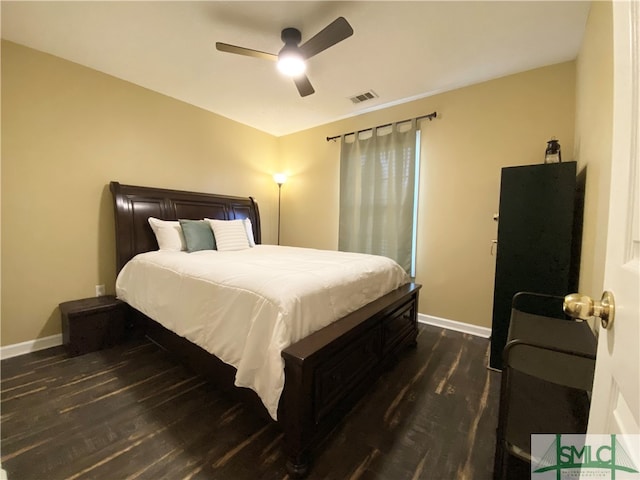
(229,234)
(249,229)
(168,234)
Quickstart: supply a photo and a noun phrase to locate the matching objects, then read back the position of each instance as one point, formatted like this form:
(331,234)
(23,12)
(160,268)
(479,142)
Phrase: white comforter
(246,306)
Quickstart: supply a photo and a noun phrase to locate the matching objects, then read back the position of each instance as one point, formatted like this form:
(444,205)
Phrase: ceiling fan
(291,58)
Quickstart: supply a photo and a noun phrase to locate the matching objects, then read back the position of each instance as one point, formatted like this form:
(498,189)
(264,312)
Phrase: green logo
(572,455)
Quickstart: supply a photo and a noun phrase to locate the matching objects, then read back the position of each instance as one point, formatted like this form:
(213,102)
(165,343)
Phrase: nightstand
(93,323)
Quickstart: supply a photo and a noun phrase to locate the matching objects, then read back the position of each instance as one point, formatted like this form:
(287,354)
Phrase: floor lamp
(279,178)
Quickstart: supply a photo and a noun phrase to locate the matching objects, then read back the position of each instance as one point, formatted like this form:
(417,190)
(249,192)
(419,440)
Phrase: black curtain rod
(430,116)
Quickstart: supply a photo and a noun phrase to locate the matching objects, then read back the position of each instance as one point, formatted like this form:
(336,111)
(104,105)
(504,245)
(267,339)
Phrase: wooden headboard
(133,206)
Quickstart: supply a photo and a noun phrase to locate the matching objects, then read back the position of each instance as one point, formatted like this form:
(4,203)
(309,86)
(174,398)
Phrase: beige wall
(594,122)
(479,130)
(66,132)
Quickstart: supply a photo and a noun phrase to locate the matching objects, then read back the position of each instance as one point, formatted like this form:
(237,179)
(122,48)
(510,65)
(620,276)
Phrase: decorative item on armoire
(552,153)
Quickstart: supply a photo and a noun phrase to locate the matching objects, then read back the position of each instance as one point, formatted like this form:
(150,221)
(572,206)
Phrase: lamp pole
(279,178)
(279,197)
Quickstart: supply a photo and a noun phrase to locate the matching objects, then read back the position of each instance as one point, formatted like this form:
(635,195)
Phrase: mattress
(246,306)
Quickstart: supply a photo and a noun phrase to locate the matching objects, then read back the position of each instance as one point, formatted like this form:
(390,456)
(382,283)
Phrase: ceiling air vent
(363,97)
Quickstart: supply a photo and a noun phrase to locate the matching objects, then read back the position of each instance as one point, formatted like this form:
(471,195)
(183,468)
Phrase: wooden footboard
(327,372)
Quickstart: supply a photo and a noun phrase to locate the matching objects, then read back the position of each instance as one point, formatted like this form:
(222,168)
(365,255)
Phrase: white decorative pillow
(168,234)
(249,228)
(229,234)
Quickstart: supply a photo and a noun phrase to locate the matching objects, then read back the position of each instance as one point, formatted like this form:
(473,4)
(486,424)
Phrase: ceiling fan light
(291,64)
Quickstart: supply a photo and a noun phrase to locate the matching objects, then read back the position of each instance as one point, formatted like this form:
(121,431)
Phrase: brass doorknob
(584,307)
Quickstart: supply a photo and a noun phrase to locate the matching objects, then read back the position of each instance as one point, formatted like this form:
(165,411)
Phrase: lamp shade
(279,178)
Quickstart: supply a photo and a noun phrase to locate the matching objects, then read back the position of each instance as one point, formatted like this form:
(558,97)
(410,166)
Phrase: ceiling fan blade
(304,85)
(333,33)
(225,47)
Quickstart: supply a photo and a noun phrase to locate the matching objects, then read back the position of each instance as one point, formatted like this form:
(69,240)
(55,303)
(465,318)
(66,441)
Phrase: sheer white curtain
(377,190)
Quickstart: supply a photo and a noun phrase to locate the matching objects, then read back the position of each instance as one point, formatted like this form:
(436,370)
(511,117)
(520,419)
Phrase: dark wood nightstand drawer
(93,323)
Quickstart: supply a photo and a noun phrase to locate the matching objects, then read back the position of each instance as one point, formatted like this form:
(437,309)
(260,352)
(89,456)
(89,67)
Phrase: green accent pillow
(197,235)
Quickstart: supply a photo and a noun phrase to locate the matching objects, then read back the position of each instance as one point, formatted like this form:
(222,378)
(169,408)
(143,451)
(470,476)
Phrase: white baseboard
(453,325)
(16,349)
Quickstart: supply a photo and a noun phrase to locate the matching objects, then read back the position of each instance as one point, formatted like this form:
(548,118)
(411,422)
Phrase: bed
(325,372)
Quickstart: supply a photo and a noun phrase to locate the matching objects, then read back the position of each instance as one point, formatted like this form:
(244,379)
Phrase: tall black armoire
(537,246)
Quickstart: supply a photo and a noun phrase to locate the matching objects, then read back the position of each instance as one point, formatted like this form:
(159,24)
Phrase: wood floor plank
(132,412)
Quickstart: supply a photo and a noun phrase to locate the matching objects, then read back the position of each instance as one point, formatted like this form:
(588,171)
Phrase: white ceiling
(401,50)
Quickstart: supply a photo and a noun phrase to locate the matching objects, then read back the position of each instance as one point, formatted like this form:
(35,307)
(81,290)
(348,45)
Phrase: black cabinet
(538,239)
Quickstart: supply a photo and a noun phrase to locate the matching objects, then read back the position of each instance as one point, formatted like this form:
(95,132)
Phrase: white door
(615,406)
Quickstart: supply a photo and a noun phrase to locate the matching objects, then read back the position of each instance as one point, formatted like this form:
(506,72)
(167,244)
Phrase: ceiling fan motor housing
(290,60)
(291,36)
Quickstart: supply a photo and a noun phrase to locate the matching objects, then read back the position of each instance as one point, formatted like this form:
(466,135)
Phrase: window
(378,192)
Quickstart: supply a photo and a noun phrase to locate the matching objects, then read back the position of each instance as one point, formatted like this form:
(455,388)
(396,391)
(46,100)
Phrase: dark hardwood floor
(132,412)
